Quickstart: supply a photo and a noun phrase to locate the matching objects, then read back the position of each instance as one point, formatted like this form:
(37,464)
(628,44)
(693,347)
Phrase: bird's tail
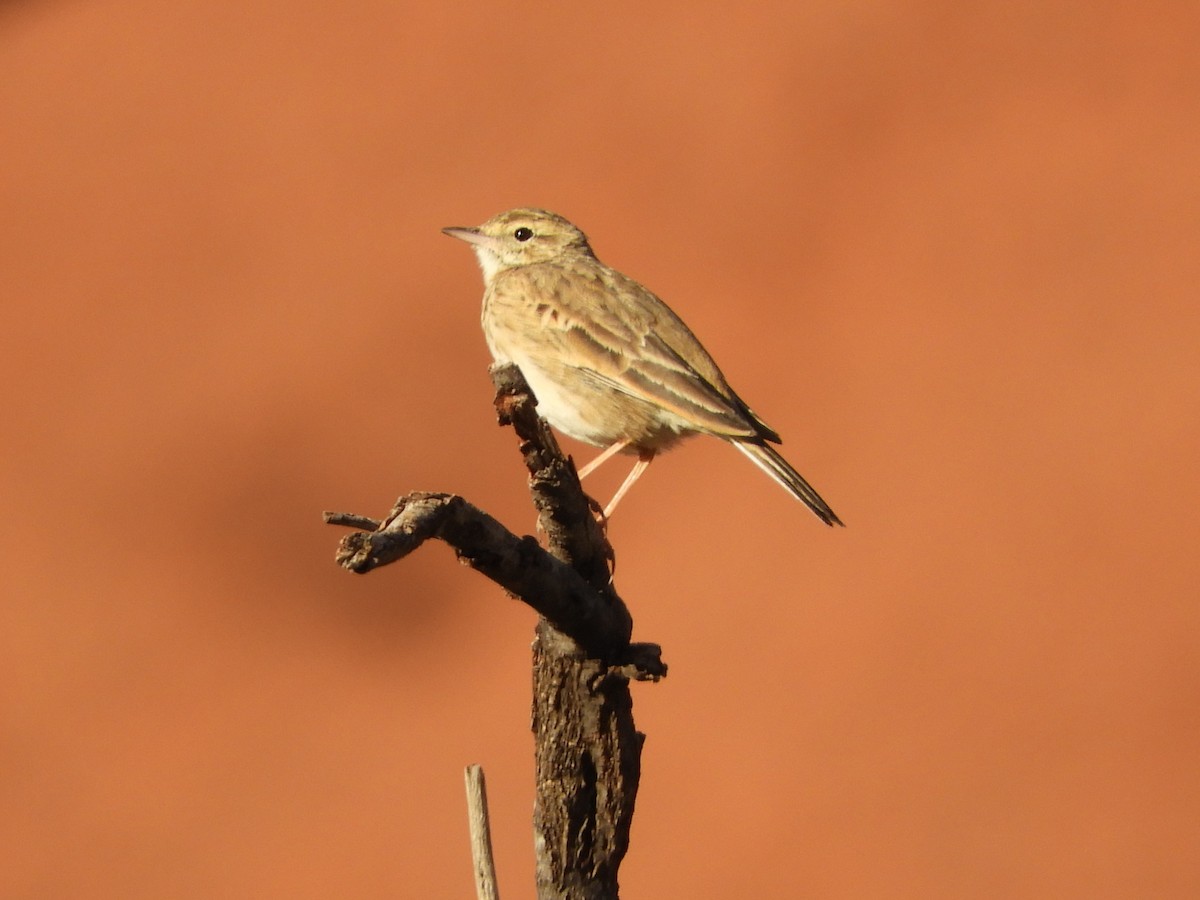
(768,459)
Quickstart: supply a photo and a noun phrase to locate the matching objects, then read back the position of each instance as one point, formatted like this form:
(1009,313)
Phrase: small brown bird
(609,363)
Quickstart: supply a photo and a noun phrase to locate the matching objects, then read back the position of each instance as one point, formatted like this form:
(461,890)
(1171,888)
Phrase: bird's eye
(523,234)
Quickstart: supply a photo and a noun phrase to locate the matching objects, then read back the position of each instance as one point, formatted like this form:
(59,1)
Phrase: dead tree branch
(481,834)
(587,751)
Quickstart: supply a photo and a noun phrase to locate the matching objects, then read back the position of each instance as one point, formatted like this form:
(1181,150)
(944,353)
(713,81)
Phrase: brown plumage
(608,361)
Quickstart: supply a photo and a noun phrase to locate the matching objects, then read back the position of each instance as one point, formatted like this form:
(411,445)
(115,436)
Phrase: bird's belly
(558,407)
(598,414)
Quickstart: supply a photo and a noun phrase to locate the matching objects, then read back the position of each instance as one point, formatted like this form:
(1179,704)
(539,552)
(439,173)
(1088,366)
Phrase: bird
(609,362)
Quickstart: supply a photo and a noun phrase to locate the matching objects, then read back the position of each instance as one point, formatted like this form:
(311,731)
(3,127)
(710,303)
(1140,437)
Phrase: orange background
(950,251)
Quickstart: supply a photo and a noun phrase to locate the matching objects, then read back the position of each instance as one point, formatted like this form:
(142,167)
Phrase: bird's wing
(615,332)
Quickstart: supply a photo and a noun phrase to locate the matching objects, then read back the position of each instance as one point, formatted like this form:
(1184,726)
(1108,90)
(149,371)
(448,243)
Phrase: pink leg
(644,460)
(607,454)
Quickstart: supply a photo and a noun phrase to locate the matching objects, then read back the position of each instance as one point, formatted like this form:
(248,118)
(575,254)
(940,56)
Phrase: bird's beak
(471,236)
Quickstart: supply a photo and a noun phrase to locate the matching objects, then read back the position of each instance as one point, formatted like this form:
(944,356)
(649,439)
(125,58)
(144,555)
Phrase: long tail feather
(768,459)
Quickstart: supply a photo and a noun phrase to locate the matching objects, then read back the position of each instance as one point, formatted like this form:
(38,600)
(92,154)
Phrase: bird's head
(521,237)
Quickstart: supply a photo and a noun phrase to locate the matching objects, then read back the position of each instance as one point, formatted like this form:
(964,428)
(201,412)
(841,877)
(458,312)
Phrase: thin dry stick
(481,834)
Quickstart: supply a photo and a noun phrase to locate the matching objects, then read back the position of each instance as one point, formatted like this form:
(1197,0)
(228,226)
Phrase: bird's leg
(644,460)
(607,454)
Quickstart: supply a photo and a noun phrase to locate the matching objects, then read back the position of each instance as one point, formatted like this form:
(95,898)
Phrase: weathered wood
(587,751)
(481,835)
(594,616)
(588,763)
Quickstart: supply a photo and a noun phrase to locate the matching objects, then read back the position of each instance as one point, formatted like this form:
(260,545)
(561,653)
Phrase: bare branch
(566,515)
(587,751)
(594,617)
(350,520)
(481,835)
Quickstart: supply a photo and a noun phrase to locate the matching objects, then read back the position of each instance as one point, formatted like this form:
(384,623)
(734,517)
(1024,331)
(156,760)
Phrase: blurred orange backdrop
(949,251)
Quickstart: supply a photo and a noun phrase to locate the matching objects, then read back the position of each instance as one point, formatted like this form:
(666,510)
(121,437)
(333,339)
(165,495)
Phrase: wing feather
(615,332)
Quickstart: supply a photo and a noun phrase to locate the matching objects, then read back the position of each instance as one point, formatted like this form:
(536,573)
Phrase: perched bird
(609,363)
